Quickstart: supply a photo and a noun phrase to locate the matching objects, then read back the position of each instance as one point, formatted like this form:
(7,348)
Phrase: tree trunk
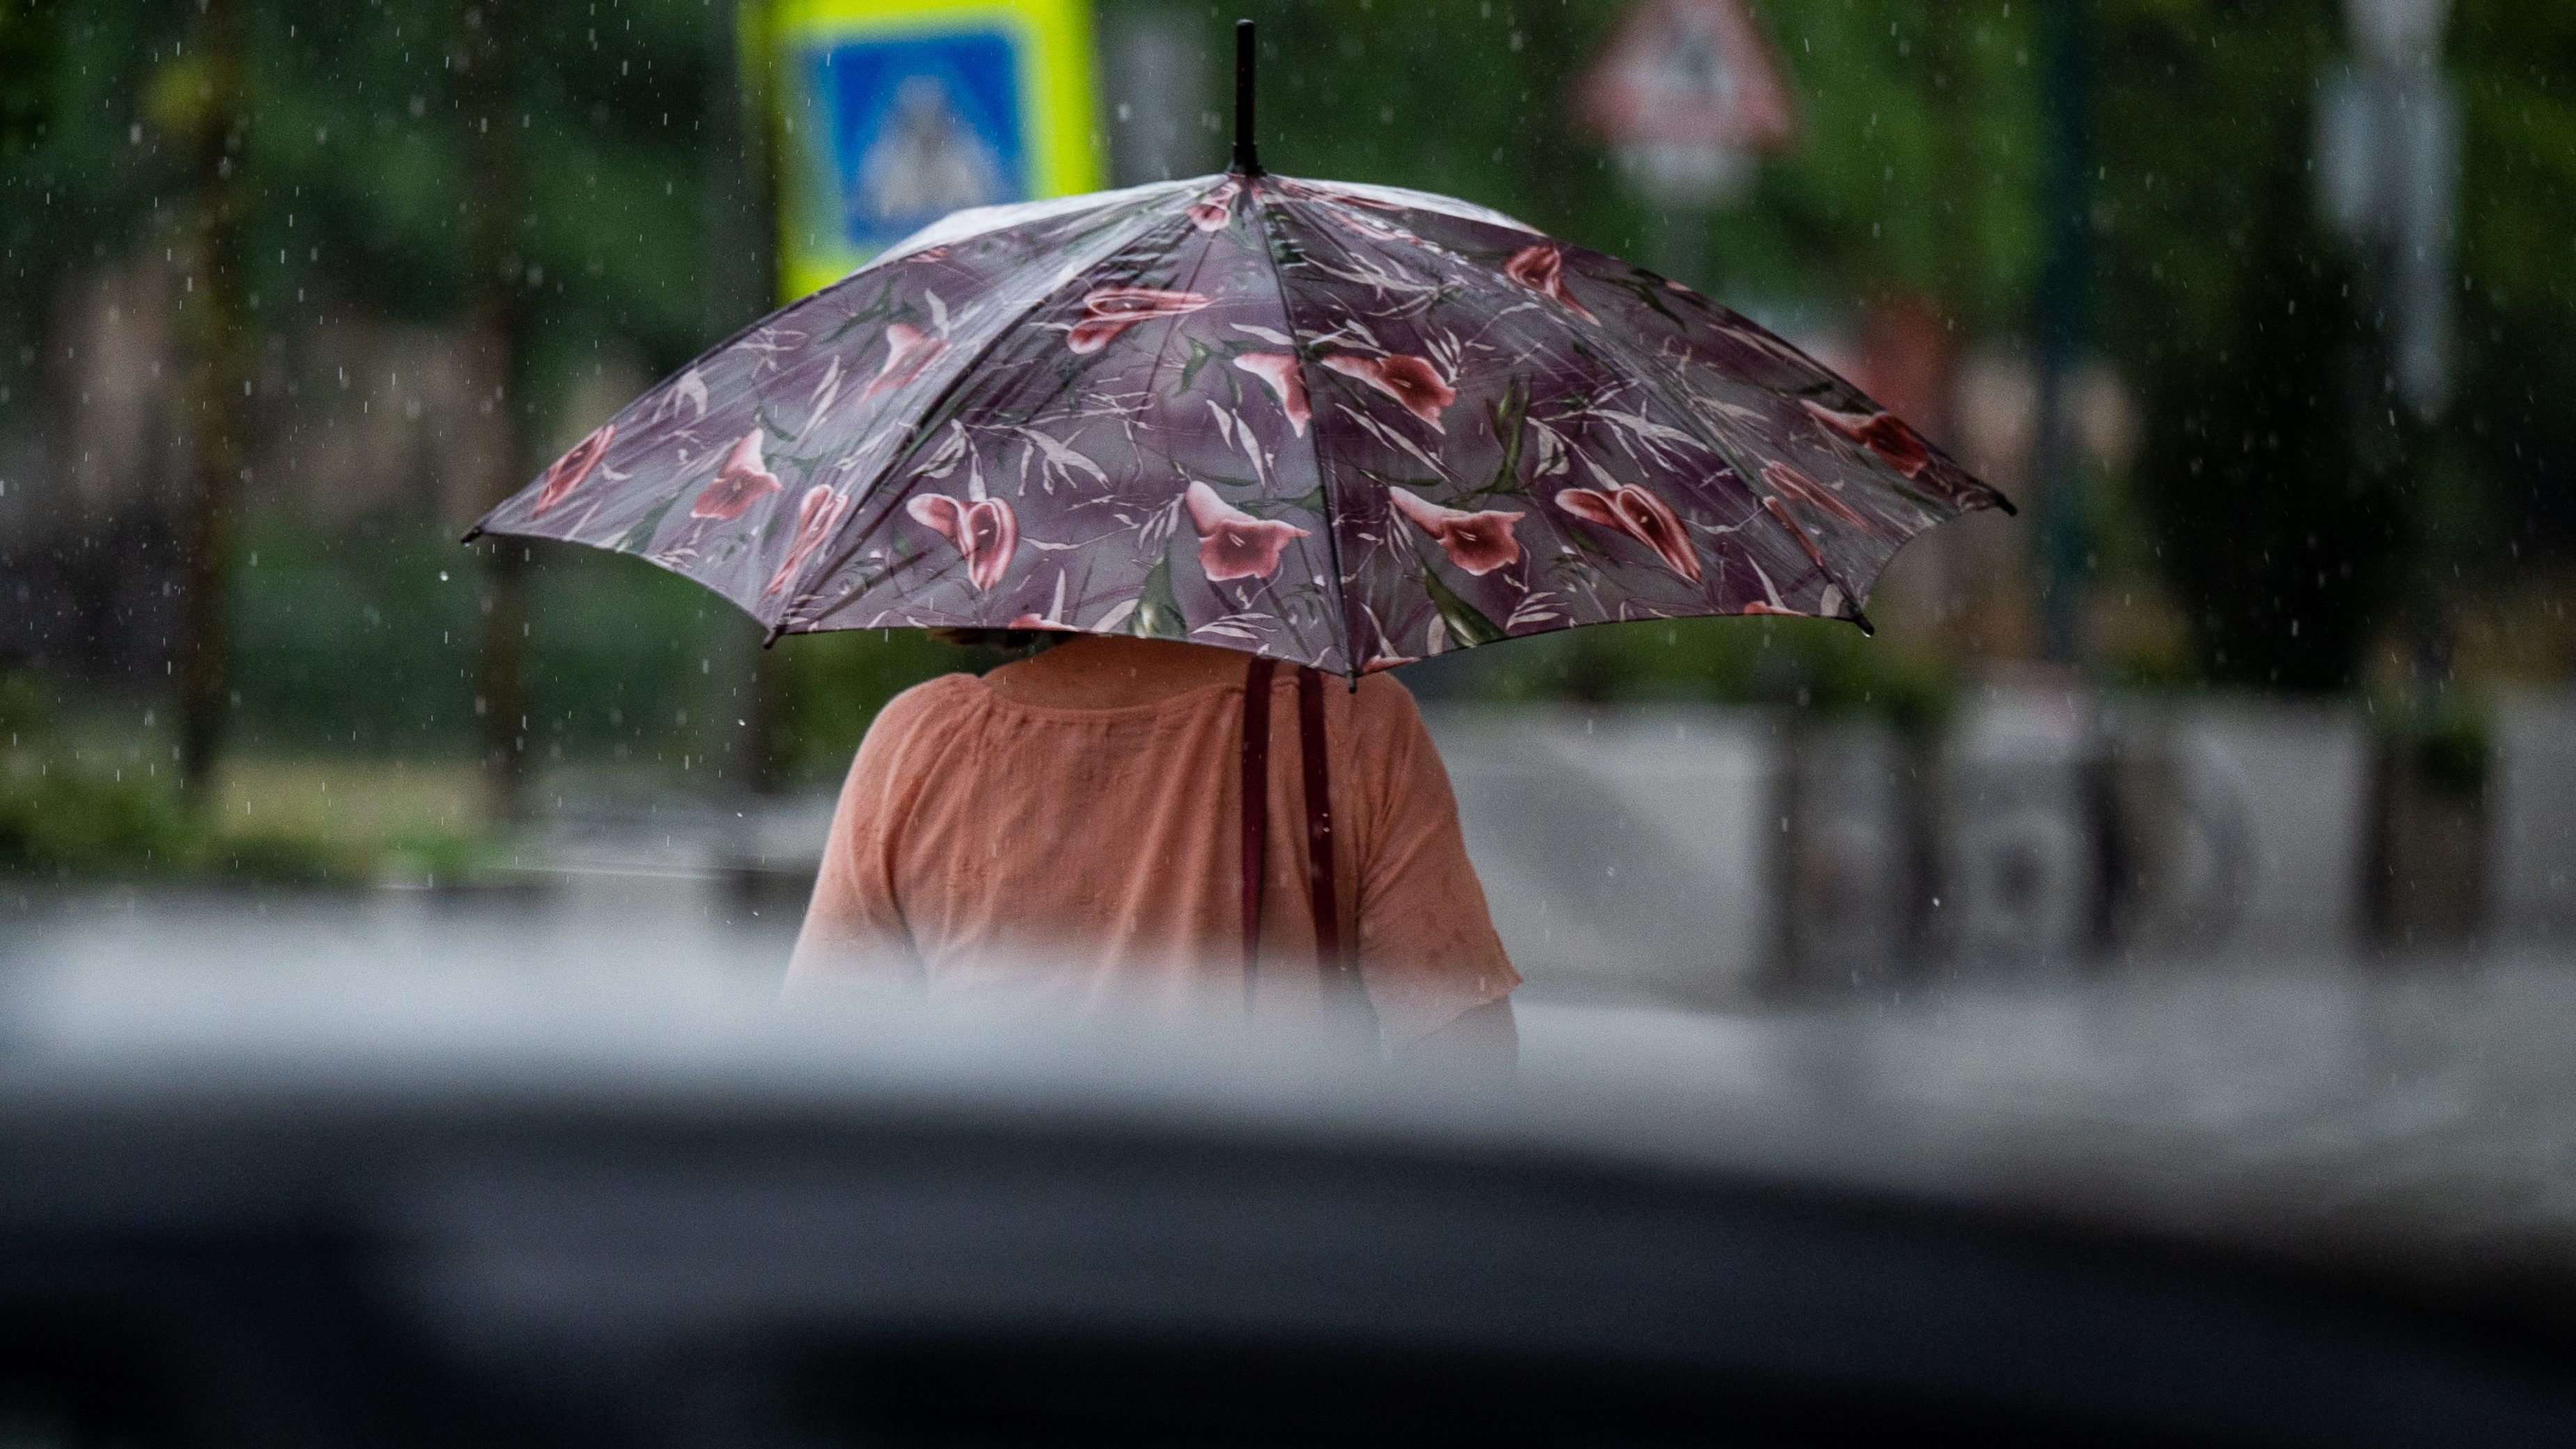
(739,278)
(215,398)
(2060,321)
(495,326)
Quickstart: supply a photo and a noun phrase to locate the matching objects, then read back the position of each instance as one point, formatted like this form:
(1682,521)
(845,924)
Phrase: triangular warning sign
(1692,74)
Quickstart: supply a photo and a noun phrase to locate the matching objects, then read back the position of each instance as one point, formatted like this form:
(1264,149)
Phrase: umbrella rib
(974,364)
(1314,442)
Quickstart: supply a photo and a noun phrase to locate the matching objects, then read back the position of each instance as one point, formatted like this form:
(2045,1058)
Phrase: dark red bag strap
(1256,808)
(1330,959)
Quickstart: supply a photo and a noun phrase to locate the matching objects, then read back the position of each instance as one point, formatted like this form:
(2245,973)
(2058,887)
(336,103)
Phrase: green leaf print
(1647,288)
(1158,610)
(1200,352)
(1510,410)
(640,537)
(1467,624)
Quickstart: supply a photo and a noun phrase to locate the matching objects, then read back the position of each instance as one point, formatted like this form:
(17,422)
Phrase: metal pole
(2059,319)
(740,277)
(1245,161)
(216,332)
(496,325)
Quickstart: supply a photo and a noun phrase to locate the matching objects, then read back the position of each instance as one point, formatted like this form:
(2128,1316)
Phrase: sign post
(886,115)
(1687,95)
(2388,151)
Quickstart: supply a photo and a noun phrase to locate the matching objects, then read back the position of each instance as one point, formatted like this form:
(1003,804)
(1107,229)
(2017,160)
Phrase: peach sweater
(1064,833)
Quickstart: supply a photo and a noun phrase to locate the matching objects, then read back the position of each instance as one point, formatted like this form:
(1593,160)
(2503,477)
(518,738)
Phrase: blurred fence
(1704,854)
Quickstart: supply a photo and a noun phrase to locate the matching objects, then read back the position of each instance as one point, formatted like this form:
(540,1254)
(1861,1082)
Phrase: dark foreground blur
(328,1199)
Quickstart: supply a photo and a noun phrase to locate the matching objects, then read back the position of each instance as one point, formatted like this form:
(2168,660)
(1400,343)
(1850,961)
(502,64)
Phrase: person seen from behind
(1070,833)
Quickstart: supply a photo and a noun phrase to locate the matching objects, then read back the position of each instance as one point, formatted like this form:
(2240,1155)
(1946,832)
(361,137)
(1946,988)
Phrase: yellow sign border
(1059,108)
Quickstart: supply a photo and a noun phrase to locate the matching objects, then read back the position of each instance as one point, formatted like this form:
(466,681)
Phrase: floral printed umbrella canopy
(1345,426)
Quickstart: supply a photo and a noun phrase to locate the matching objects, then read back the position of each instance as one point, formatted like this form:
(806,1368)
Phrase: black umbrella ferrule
(1246,161)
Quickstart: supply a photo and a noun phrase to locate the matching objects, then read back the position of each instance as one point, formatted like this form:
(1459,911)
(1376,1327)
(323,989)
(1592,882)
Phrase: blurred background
(2259,308)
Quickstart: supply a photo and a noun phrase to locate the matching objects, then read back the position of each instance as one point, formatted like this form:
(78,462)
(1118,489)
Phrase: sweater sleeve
(1427,946)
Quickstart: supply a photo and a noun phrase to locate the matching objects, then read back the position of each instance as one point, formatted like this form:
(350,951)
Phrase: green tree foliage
(356,162)
(2511,423)
(2219,295)
(2293,518)
(2230,306)
(28,38)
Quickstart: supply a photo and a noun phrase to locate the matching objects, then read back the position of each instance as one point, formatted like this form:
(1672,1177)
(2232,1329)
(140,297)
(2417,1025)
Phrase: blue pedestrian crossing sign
(889,114)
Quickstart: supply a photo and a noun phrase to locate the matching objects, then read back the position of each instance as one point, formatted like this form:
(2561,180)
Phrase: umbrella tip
(2004,503)
(1246,160)
(472,534)
(774,631)
(1866,629)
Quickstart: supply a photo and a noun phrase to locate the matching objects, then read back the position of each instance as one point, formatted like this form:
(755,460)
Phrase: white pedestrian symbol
(926,160)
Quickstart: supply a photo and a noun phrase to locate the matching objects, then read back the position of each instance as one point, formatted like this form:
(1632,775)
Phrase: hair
(1009,641)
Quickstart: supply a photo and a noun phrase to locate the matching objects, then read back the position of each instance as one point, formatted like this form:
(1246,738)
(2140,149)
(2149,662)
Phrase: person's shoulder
(934,703)
(1383,710)
(1381,697)
(918,719)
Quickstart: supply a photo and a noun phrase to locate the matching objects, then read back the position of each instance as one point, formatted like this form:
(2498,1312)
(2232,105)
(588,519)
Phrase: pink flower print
(1884,433)
(1791,486)
(1542,269)
(1286,378)
(1232,543)
(817,514)
(1640,515)
(908,351)
(985,532)
(1797,487)
(1348,198)
(569,470)
(1108,311)
(1478,543)
(1385,662)
(1412,381)
(1368,226)
(1779,511)
(1032,621)
(741,481)
(1212,213)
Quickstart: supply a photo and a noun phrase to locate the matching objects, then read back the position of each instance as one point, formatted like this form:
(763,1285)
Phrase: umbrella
(1342,425)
